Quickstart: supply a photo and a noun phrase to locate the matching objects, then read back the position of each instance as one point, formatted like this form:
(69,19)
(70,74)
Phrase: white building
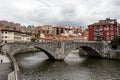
(14,36)
(26,38)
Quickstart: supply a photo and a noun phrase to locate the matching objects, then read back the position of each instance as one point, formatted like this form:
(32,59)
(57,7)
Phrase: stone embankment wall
(110,54)
(11,76)
(113,54)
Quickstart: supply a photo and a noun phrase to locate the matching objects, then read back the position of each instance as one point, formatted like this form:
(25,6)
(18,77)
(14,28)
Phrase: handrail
(15,65)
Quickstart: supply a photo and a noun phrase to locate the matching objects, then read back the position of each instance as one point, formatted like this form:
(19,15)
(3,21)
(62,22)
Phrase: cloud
(58,12)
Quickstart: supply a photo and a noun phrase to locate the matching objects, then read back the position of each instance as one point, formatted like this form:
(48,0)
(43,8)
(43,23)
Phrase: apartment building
(14,36)
(10,36)
(103,30)
(26,37)
(14,32)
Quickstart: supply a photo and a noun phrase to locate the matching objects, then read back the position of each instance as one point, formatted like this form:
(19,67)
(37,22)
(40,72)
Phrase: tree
(115,42)
(30,26)
(7,26)
(37,35)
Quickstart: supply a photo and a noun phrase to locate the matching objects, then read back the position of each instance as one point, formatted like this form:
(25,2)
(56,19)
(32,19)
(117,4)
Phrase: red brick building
(103,30)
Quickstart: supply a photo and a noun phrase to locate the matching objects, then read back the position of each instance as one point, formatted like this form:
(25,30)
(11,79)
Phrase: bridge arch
(55,51)
(89,51)
(47,52)
(92,52)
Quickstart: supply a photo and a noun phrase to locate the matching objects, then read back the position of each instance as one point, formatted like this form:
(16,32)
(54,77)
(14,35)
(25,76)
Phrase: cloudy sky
(58,12)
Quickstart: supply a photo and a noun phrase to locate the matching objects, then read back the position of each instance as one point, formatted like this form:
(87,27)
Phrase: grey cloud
(58,12)
(71,23)
(68,12)
(116,2)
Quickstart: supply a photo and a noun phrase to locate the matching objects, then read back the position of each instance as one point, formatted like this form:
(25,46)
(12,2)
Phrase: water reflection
(36,67)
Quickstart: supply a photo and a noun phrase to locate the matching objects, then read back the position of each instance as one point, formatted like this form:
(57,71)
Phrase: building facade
(14,32)
(14,36)
(25,37)
(103,30)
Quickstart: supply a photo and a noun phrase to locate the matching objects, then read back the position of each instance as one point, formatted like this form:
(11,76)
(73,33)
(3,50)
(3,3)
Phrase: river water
(35,67)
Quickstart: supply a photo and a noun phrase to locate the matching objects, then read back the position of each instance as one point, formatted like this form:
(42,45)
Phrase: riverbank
(110,54)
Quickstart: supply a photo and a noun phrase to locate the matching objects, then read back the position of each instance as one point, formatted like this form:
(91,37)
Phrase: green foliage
(14,28)
(30,26)
(7,26)
(37,35)
(33,40)
(115,42)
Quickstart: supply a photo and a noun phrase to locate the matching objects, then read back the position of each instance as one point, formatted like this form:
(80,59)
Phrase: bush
(115,42)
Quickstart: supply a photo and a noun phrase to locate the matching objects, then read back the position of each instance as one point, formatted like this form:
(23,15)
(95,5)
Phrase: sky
(59,12)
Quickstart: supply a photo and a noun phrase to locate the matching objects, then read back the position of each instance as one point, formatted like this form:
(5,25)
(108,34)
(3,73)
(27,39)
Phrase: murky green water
(34,67)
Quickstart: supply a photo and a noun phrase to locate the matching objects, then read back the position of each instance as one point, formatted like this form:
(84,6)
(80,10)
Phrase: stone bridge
(58,50)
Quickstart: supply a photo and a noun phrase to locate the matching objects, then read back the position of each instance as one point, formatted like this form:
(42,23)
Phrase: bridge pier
(59,51)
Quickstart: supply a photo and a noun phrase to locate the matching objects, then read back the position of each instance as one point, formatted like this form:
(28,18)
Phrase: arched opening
(90,51)
(47,53)
(35,49)
(80,53)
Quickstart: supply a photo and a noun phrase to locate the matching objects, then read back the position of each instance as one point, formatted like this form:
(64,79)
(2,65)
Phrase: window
(2,36)
(112,37)
(94,29)
(111,25)
(104,28)
(5,32)
(90,26)
(107,33)
(101,28)
(95,38)
(107,25)
(107,28)
(5,36)
(111,28)
(112,33)
(108,38)
(97,29)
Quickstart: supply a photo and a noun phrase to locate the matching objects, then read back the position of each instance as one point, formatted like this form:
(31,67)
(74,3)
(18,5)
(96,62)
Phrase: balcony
(98,29)
(98,34)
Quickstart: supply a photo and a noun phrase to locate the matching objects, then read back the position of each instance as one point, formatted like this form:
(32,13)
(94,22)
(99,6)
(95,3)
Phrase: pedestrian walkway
(4,59)
(5,69)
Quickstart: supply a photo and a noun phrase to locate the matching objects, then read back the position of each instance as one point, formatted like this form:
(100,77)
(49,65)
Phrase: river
(35,67)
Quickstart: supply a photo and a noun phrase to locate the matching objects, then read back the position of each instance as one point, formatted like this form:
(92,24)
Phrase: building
(25,37)
(55,33)
(118,29)
(84,35)
(10,36)
(58,30)
(14,36)
(14,32)
(43,32)
(103,30)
